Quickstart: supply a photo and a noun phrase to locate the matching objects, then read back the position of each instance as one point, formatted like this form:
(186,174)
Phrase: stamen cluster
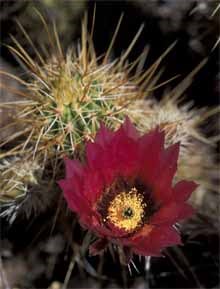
(126,210)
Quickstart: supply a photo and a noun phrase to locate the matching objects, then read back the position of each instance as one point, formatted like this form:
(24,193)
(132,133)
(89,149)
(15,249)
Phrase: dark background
(192,24)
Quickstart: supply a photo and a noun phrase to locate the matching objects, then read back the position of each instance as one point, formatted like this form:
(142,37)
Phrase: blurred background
(29,259)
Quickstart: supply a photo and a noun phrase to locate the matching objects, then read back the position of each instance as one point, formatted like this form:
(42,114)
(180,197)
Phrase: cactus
(67,96)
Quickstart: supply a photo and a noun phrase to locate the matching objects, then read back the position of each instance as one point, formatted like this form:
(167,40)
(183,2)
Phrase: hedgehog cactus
(16,175)
(69,95)
(71,102)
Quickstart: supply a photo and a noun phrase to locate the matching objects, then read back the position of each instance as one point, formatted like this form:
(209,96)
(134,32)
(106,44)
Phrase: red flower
(124,192)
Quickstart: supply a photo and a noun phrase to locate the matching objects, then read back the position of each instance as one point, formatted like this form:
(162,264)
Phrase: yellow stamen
(126,210)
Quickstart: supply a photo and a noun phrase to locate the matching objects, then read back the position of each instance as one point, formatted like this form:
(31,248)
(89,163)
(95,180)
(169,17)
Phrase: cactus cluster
(67,96)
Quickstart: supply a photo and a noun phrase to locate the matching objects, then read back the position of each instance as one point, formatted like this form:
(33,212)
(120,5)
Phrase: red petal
(182,190)
(70,201)
(94,154)
(103,231)
(171,213)
(143,233)
(168,167)
(103,136)
(93,185)
(150,146)
(164,236)
(126,155)
(129,129)
(117,158)
(186,212)
(116,232)
(73,167)
(72,189)
(159,238)
(144,251)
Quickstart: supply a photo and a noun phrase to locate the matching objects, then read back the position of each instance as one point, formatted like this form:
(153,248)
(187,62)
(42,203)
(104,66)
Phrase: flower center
(128,213)
(126,210)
